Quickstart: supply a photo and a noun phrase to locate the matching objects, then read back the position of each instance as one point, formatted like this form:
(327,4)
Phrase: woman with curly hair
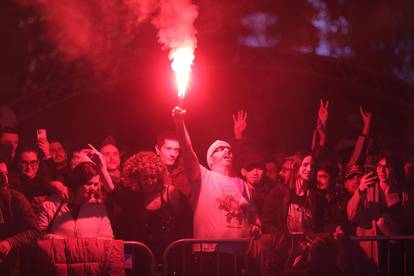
(156,212)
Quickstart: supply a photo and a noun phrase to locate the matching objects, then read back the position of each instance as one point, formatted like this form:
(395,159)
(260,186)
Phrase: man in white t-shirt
(221,200)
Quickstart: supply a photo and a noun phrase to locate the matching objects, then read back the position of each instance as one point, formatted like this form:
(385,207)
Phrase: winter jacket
(92,220)
(78,257)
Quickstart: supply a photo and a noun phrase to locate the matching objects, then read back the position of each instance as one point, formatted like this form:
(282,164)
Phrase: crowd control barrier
(194,257)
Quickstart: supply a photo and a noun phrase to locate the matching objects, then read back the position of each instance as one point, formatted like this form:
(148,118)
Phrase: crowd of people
(162,195)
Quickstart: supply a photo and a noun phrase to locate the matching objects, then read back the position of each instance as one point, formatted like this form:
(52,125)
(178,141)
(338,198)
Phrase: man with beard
(221,199)
(18,225)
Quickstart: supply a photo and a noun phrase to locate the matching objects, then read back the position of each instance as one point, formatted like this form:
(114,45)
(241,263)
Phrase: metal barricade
(396,253)
(366,255)
(139,259)
(188,261)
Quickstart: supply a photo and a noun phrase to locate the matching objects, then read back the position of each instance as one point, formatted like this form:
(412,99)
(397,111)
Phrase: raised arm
(319,134)
(44,146)
(239,144)
(99,160)
(191,163)
(362,140)
(239,124)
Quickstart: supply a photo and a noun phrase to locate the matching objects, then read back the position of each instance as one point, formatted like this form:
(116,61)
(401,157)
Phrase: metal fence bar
(388,240)
(139,245)
(218,263)
(382,238)
(388,258)
(183,260)
(201,260)
(202,264)
(235,264)
(405,259)
(187,242)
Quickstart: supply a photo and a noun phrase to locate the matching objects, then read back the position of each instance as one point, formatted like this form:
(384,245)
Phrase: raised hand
(99,160)
(321,123)
(366,120)
(5,248)
(323,113)
(367,181)
(239,123)
(95,156)
(44,146)
(178,113)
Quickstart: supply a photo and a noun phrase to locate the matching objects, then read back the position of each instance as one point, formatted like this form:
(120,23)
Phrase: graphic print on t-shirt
(299,219)
(230,206)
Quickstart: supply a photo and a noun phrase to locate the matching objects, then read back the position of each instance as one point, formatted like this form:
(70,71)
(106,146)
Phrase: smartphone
(41,134)
(370,169)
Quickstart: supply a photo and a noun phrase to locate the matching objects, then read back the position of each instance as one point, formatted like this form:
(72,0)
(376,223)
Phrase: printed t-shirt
(221,208)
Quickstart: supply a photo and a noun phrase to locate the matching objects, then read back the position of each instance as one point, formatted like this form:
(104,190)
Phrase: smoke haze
(99,30)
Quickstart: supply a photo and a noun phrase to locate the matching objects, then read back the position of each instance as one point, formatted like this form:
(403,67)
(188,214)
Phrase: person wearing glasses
(33,178)
(222,200)
(378,207)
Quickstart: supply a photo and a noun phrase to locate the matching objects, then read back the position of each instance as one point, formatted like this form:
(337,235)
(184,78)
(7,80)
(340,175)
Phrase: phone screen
(41,134)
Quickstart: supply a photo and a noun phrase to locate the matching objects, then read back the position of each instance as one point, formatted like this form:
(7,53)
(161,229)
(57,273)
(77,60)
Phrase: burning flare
(182,58)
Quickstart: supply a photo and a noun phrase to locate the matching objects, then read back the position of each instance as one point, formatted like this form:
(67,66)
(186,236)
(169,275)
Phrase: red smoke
(98,30)
(175,22)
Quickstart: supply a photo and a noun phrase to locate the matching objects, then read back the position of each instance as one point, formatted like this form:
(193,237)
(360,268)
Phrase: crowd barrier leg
(139,259)
(201,261)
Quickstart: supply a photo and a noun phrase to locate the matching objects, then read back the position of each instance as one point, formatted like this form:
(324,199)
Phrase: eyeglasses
(32,163)
(222,148)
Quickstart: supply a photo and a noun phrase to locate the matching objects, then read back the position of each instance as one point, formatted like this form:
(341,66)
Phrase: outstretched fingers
(92,147)
(240,115)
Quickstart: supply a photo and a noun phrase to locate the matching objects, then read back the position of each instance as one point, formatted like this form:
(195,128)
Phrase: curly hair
(142,163)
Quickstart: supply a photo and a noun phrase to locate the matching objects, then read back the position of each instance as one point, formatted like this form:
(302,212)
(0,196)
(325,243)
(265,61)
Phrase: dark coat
(18,225)
(276,206)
